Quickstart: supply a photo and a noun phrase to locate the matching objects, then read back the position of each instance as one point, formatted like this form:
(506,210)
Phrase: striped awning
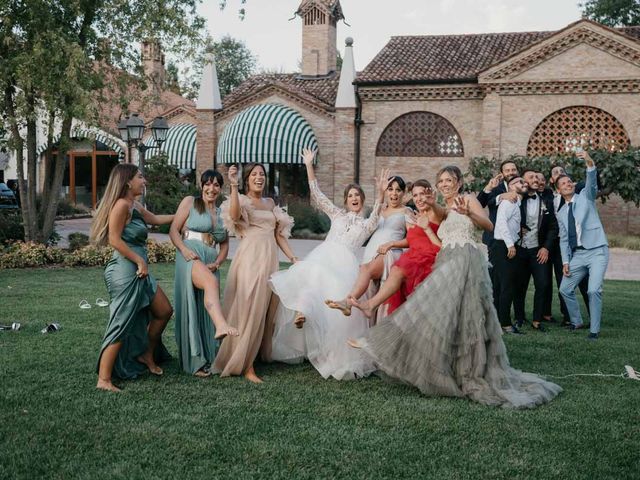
(180,146)
(92,134)
(267,133)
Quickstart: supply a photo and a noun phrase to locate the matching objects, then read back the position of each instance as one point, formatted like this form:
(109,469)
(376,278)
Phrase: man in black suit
(494,192)
(539,232)
(556,258)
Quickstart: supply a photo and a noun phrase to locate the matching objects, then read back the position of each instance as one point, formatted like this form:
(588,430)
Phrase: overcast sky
(277,42)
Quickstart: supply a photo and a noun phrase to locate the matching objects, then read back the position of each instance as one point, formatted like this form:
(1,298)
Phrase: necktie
(573,235)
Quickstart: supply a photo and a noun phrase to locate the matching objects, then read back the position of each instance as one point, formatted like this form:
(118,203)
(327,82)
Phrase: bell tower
(319,51)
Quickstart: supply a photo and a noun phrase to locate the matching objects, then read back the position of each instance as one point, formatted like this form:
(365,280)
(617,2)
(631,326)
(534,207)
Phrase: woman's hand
(383,183)
(233,175)
(213,267)
(189,254)
(423,222)
(461,205)
(143,269)
(384,248)
(308,156)
(430,197)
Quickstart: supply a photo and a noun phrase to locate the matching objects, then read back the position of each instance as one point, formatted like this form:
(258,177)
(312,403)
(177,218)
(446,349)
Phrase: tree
(241,11)
(73,59)
(613,13)
(234,64)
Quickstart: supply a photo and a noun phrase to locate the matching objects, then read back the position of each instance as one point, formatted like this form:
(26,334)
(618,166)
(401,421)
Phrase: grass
(54,424)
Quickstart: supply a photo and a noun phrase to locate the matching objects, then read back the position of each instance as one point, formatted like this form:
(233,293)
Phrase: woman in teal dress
(139,309)
(200,323)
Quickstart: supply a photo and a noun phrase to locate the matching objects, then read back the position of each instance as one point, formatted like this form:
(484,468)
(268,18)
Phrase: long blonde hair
(116,189)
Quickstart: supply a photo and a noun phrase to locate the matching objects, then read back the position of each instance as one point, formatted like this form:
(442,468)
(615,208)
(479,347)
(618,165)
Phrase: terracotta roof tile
(321,91)
(449,58)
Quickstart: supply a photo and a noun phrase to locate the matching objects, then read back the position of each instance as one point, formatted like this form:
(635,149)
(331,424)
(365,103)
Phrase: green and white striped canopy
(269,133)
(180,146)
(88,133)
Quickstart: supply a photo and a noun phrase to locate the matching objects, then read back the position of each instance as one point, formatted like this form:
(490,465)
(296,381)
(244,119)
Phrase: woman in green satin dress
(139,309)
(200,323)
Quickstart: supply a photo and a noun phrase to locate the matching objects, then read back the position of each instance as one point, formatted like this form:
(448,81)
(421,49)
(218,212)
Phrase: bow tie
(533,197)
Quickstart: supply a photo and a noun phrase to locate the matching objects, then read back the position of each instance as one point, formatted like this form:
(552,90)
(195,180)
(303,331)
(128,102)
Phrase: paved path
(623,264)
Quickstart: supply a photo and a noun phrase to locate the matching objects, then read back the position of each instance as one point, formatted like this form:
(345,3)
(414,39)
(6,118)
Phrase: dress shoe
(538,326)
(550,320)
(513,330)
(592,336)
(520,323)
(565,322)
(573,328)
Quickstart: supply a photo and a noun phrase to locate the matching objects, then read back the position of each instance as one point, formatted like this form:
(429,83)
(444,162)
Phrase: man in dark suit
(539,231)
(556,258)
(494,192)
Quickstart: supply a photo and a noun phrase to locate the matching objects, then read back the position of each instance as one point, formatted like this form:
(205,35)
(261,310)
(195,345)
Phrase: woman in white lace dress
(446,339)
(328,271)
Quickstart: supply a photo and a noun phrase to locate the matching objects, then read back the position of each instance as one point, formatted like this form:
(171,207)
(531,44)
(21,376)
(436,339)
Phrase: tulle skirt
(446,339)
(328,272)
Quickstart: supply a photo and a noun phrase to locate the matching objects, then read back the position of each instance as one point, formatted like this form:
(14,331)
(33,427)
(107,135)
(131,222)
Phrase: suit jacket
(489,200)
(586,214)
(547,223)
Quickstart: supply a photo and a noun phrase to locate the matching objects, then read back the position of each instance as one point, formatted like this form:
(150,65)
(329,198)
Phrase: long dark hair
(206,177)
(398,179)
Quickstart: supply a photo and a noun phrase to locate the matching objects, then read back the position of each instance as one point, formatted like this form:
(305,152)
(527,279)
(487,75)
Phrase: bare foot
(147,359)
(341,305)
(250,375)
(225,330)
(353,343)
(299,320)
(107,386)
(363,306)
(202,373)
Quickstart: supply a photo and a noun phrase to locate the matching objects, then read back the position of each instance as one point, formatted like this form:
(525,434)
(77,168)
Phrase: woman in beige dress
(262,227)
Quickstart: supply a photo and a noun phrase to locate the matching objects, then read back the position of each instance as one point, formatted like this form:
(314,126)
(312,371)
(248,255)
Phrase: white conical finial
(346,91)
(209,94)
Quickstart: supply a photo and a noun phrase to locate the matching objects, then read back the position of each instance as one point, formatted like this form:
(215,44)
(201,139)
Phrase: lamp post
(132,130)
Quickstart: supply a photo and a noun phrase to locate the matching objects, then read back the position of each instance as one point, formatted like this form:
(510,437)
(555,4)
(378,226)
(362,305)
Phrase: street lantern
(135,128)
(122,129)
(159,130)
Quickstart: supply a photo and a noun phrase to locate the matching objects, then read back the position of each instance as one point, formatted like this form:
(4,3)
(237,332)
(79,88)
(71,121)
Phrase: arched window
(420,134)
(579,126)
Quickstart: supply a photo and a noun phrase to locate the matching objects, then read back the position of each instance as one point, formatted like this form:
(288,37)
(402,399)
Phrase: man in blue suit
(583,246)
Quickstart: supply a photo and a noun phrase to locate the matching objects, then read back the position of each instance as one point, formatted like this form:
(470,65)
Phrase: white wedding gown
(328,272)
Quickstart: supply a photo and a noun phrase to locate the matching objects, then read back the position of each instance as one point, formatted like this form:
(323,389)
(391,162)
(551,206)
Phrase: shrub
(165,190)
(632,242)
(88,256)
(307,218)
(78,240)
(30,254)
(160,252)
(11,228)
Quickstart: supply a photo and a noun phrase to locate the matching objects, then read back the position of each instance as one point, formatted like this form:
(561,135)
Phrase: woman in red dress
(416,263)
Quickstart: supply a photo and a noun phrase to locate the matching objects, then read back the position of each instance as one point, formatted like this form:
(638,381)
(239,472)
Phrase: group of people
(541,232)
(419,304)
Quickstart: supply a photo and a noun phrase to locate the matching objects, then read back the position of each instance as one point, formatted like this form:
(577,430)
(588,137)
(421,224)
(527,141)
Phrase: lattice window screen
(586,127)
(420,134)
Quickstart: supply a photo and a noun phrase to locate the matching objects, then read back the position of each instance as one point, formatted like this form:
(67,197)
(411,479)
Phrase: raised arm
(382,182)
(175,232)
(234,197)
(117,220)
(591,187)
(318,198)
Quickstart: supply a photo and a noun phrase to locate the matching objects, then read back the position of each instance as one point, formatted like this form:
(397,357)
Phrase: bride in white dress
(328,271)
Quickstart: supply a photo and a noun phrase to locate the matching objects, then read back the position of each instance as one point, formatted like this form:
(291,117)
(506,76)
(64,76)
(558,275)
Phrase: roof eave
(388,83)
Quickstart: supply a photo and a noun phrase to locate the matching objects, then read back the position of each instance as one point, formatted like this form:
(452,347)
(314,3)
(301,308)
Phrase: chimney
(153,63)
(319,52)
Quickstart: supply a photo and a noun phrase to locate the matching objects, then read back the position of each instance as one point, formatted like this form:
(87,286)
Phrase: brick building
(427,101)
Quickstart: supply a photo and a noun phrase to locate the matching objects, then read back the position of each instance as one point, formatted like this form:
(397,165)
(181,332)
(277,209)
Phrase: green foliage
(619,172)
(164,189)
(78,240)
(630,242)
(241,11)
(32,254)
(234,64)
(11,228)
(614,13)
(307,218)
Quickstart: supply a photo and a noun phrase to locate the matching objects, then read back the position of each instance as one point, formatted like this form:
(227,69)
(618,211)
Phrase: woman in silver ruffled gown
(446,339)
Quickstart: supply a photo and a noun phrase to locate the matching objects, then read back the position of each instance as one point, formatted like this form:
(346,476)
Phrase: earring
(129,186)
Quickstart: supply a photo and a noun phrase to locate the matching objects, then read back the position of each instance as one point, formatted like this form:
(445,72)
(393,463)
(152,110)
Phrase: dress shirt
(557,198)
(578,227)
(530,238)
(507,226)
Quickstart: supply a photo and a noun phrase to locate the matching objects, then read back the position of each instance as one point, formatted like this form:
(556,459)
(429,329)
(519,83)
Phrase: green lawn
(54,424)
